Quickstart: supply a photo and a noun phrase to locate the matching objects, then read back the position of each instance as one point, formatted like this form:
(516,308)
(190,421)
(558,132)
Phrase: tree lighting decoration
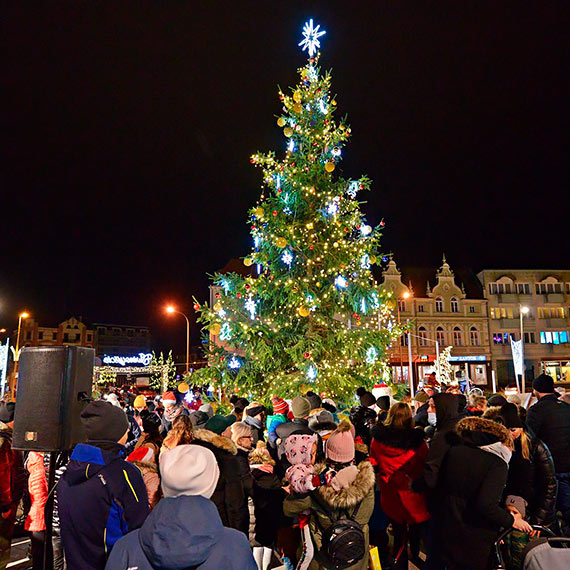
(315,310)
(311,37)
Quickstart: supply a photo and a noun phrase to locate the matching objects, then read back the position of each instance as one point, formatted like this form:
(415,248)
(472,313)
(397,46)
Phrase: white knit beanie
(189,470)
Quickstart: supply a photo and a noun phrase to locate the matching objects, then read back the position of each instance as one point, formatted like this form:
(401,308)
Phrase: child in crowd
(517,540)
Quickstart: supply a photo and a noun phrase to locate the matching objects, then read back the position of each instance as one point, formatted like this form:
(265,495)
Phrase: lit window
(454,305)
(439,305)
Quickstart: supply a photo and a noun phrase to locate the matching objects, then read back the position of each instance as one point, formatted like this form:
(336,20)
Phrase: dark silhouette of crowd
(306,483)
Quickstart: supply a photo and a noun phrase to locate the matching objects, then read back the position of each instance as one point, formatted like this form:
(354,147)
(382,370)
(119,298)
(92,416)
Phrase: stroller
(548,552)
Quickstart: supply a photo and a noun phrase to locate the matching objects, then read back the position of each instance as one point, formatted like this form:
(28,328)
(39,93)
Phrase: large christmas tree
(311,314)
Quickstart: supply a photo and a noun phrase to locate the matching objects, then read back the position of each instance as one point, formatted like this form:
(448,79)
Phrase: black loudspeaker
(54,386)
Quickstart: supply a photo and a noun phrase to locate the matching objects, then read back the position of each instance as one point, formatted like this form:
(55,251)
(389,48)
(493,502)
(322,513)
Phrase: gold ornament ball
(372,259)
(215,329)
(218,307)
(183,387)
(297,97)
(259,212)
(248,261)
(310,226)
(329,166)
(287,131)
(281,122)
(297,107)
(281,242)
(303,311)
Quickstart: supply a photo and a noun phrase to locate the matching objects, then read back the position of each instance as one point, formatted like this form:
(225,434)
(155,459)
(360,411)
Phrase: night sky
(127,129)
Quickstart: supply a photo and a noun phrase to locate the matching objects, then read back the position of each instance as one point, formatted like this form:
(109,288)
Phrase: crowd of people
(305,484)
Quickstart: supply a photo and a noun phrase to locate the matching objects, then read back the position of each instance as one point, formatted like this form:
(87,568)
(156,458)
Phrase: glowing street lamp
(21,316)
(171,310)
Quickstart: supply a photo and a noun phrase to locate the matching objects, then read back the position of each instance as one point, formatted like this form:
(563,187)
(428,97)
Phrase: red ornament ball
(274,212)
(307,355)
(346,230)
(196,307)
(355,315)
(218,295)
(311,247)
(382,223)
(248,286)
(238,295)
(279,191)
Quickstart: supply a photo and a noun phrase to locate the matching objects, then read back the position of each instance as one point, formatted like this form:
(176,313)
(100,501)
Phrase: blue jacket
(100,498)
(183,532)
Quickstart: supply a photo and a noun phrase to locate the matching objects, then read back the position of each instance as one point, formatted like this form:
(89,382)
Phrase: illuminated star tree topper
(311,37)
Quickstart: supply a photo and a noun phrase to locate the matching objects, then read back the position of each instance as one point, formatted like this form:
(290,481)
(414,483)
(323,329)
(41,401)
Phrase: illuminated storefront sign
(468,358)
(140,359)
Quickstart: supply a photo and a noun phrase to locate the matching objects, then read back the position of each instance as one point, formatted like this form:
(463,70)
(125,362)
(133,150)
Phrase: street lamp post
(522,312)
(23,315)
(171,310)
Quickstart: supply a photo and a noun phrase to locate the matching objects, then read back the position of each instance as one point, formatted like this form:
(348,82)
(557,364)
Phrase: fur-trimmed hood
(398,438)
(352,495)
(493,413)
(219,441)
(479,432)
(145,465)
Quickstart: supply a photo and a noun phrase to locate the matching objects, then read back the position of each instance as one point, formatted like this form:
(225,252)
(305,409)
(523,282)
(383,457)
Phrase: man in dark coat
(229,495)
(12,481)
(255,419)
(472,479)
(184,530)
(100,496)
(364,417)
(549,421)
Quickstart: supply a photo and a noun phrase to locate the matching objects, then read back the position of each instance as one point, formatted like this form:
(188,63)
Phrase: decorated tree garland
(311,314)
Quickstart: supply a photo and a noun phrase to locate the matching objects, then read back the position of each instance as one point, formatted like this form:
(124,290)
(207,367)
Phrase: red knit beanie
(280,406)
(340,444)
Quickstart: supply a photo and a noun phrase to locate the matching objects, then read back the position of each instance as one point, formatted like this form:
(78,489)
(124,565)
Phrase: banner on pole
(517,349)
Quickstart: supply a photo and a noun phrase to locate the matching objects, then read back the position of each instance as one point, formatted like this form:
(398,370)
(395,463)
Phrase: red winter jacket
(38,489)
(12,473)
(400,455)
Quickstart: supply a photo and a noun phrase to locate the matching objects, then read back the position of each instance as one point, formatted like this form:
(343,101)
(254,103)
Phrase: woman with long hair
(531,468)
(181,433)
(399,450)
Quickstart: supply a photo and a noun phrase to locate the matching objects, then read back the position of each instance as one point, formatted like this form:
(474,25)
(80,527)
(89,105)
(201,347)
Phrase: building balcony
(509,323)
(554,298)
(554,323)
(508,298)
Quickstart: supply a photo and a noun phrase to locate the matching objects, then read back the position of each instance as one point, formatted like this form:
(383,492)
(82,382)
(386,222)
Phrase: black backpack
(343,543)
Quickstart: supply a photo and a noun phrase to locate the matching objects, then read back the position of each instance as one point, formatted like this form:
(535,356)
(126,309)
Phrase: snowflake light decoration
(225,332)
(250,307)
(340,282)
(287,258)
(371,355)
(312,373)
(234,363)
(311,37)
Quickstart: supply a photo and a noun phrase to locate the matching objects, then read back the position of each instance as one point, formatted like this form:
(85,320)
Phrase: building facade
(121,340)
(71,332)
(442,309)
(545,327)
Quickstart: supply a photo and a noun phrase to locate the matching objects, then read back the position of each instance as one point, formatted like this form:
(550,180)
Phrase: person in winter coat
(144,459)
(348,492)
(549,421)
(172,410)
(229,495)
(531,469)
(421,412)
(35,521)
(280,412)
(268,497)
(399,450)
(472,479)
(242,437)
(323,423)
(150,436)
(12,481)
(363,417)
(445,406)
(255,419)
(185,529)
(100,496)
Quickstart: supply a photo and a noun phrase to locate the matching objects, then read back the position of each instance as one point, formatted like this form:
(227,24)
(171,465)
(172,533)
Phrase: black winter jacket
(533,479)
(473,480)
(229,495)
(549,421)
(268,497)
